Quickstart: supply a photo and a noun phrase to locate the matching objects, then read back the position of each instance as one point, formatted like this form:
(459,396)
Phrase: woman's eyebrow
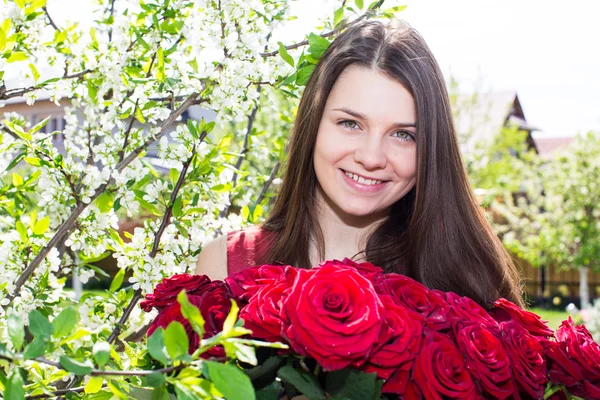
(358,115)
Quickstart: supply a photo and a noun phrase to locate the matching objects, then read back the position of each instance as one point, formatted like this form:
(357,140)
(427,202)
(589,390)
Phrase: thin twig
(243,150)
(327,34)
(50,19)
(112,10)
(66,226)
(268,183)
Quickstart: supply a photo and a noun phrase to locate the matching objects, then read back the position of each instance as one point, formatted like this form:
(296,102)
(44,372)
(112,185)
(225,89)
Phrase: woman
(375,171)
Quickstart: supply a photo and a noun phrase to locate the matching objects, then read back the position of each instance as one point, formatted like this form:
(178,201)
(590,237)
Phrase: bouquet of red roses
(355,332)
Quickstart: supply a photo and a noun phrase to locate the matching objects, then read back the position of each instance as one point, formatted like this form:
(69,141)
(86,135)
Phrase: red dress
(246,248)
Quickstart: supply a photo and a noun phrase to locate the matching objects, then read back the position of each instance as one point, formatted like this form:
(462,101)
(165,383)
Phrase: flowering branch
(70,221)
(163,225)
(330,33)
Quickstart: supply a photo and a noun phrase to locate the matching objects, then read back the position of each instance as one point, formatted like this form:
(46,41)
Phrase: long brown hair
(437,233)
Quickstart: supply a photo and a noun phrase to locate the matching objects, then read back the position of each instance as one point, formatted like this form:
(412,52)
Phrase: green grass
(554,317)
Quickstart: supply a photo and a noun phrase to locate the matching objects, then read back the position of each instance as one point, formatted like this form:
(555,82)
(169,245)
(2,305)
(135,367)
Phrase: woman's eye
(349,124)
(404,135)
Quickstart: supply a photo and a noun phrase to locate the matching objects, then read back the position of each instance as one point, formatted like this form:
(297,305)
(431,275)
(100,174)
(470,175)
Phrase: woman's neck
(344,235)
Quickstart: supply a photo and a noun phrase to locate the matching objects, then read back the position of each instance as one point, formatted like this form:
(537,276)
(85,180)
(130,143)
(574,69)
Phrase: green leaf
(17,56)
(192,128)
(17,180)
(176,340)
(231,318)
(283,53)
(191,313)
(359,4)
(34,71)
(15,161)
(22,229)
(35,348)
(117,281)
(231,381)
(317,45)
(76,367)
(41,226)
(105,201)
(160,393)
(34,161)
(101,352)
(37,127)
(351,384)
(394,10)
(94,385)
(304,74)
(16,331)
(156,346)
(154,380)
(2,40)
(160,66)
(65,322)
(39,326)
(177,207)
(305,382)
(14,386)
(338,15)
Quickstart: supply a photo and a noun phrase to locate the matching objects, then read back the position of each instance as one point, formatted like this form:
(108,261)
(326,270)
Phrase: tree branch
(8,94)
(50,19)
(368,13)
(66,226)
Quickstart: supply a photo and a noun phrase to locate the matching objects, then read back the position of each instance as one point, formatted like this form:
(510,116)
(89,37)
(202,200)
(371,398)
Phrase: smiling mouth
(362,180)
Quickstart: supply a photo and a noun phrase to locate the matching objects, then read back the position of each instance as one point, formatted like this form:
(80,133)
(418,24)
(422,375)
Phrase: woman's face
(365,153)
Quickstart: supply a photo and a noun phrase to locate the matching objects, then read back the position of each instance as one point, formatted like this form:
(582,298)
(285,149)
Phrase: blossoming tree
(126,81)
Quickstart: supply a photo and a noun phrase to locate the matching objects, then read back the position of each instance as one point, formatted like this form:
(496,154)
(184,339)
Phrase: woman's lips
(361,187)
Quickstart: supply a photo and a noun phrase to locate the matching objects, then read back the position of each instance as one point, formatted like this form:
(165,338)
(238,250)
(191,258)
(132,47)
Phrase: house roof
(480,116)
(547,145)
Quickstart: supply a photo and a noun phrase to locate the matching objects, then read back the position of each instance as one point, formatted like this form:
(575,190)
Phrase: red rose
(398,344)
(486,359)
(439,370)
(416,297)
(526,353)
(463,309)
(166,292)
(214,303)
(247,282)
(332,314)
(262,314)
(173,313)
(505,310)
(574,361)
(366,269)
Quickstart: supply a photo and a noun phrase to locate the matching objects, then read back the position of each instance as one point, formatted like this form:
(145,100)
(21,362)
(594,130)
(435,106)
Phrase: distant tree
(555,219)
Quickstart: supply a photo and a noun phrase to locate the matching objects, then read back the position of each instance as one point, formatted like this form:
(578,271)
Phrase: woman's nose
(371,154)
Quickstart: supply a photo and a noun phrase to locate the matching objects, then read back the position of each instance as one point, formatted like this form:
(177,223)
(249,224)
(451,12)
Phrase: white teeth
(362,180)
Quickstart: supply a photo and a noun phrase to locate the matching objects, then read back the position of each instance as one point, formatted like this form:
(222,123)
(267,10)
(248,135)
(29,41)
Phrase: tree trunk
(584,293)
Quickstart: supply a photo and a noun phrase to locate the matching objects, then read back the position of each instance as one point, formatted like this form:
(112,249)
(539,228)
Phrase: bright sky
(547,51)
